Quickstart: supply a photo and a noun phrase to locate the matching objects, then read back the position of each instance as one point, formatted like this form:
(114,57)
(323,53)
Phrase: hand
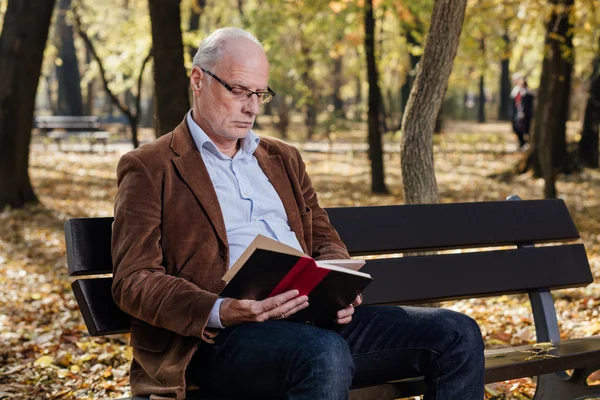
(345,316)
(233,312)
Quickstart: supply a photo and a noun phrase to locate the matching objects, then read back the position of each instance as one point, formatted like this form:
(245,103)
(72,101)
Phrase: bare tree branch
(82,33)
(138,98)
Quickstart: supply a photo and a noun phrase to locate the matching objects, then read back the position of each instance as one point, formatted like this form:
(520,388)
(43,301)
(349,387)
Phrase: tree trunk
(90,95)
(358,98)
(426,99)
(504,105)
(411,74)
(69,90)
(481,103)
(310,116)
(22,43)
(283,117)
(588,145)
(337,78)
(195,14)
(375,145)
(553,103)
(171,82)
(439,121)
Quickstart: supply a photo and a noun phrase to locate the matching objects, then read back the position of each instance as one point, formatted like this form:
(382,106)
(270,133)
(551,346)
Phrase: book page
(260,242)
(354,265)
(343,269)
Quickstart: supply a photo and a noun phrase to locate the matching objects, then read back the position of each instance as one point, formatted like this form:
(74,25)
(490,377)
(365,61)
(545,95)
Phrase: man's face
(223,118)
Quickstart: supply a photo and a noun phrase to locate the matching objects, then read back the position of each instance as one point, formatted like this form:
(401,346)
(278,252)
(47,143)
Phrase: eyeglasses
(238,93)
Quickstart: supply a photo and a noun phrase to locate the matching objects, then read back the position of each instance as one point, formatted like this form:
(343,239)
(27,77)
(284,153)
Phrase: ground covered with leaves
(45,351)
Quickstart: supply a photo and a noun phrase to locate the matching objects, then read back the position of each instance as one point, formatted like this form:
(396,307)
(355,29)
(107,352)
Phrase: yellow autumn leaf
(128,353)
(544,346)
(66,359)
(489,389)
(75,368)
(43,361)
(36,296)
(62,374)
(87,357)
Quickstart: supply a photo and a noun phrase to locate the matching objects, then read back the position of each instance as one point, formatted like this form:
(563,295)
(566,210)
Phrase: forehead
(243,62)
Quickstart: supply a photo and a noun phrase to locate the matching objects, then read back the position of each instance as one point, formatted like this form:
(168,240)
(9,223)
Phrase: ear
(196,80)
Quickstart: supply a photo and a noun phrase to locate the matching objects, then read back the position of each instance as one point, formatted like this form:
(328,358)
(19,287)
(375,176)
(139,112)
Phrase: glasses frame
(248,91)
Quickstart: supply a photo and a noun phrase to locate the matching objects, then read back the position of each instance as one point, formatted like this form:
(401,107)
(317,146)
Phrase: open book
(268,267)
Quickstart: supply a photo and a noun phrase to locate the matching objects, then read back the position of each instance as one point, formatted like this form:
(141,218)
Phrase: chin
(242,133)
(237,135)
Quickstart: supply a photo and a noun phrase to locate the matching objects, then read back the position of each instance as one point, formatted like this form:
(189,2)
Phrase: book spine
(287,283)
(307,282)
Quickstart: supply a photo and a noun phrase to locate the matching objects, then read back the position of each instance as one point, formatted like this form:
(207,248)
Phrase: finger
(293,311)
(275,301)
(283,311)
(346,312)
(343,321)
(358,300)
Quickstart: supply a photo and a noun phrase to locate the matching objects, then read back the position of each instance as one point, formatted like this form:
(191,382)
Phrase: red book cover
(304,276)
(303,267)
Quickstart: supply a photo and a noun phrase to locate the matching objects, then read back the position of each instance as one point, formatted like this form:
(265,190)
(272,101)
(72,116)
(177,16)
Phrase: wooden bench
(60,128)
(510,264)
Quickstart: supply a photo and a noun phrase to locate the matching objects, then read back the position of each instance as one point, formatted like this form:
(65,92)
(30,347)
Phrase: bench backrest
(510,228)
(68,123)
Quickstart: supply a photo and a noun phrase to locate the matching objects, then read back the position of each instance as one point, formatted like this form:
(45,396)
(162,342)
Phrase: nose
(251,105)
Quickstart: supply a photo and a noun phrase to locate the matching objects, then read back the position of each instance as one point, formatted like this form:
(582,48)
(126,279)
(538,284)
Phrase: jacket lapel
(192,169)
(273,167)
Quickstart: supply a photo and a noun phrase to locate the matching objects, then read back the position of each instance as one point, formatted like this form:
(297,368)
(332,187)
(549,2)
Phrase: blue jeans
(290,360)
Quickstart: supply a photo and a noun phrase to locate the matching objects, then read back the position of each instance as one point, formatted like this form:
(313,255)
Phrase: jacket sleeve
(141,287)
(326,243)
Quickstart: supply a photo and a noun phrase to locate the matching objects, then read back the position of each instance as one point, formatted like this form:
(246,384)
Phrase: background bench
(59,128)
(518,266)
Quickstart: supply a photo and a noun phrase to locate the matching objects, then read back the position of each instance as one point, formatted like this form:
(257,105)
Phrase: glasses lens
(238,93)
(266,97)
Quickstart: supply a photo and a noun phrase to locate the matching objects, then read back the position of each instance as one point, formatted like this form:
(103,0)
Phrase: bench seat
(510,261)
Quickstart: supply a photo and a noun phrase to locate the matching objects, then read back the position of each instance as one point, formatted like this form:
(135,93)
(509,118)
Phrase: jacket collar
(192,169)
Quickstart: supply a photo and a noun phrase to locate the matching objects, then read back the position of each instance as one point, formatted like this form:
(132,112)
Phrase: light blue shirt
(249,202)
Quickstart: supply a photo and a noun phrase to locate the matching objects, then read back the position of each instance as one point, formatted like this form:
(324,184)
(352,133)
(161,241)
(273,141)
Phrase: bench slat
(490,273)
(99,310)
(88,242)
(504,364)
(477,274)
(390,229)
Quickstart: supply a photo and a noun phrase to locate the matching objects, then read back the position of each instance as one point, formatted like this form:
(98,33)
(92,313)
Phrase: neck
(225,145)
(229,148)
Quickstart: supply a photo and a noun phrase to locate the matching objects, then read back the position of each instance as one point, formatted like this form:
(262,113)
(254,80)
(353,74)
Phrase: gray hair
(211,48)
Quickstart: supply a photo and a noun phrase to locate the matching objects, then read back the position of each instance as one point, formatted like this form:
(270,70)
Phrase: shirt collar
(248,145)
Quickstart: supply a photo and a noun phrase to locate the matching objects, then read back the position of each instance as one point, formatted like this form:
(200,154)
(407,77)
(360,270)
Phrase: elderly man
(187,206)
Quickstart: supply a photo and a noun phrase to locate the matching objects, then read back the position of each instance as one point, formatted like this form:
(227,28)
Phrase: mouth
(244,124)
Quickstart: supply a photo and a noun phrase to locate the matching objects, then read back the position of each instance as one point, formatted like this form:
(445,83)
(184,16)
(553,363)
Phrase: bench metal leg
(551,386)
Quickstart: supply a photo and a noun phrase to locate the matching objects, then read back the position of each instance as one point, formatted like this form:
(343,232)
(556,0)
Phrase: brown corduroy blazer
(170,248)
